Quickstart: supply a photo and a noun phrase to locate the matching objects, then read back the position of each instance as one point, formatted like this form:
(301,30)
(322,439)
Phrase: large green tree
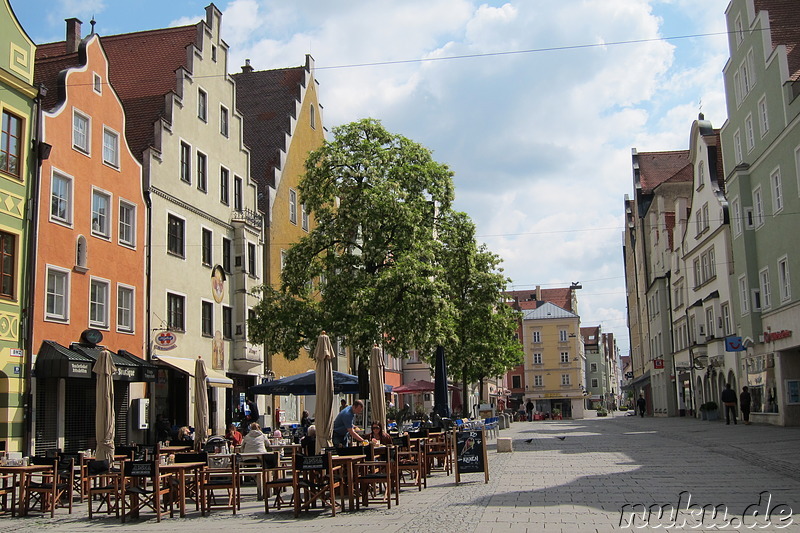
(368,270)
(484,326)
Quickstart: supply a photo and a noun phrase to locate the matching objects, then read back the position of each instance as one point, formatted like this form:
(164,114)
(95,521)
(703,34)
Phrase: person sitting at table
(277,434)
(233,435)
(185,436)
(377,435)
(255,441)
(343,426)
(309,443)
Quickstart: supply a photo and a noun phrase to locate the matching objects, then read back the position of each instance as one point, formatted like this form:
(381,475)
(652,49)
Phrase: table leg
(182,492)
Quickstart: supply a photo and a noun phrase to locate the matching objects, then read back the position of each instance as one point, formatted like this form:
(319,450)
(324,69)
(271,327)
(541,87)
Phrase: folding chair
(53,485)
(146,486)
(378,476)
(439,453)
(192,488)
(411,461)
(274,478)
(102,482)
(221,474)
(315,478)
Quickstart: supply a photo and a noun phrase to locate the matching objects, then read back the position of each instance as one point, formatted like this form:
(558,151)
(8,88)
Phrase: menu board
(471,453)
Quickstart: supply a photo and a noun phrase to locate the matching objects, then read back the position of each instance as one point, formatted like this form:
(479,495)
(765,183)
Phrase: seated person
(184,436)
(377,435)
(255,441)
(233,435)
(308,445)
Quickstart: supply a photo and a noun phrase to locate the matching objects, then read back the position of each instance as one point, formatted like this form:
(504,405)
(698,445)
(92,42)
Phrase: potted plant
(708,411)
(602,412)
(556,414)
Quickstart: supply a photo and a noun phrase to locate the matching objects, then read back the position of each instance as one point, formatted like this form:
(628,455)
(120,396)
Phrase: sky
(535,105)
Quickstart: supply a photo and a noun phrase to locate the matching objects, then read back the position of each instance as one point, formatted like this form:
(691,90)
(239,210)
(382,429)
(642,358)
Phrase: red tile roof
(669,221)
(592,331)
(561,297)
(267,100)
(784,22)
(656,168)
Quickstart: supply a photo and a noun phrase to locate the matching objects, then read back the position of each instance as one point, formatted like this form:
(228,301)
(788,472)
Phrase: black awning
(126,370)
(147,371)
(56,361)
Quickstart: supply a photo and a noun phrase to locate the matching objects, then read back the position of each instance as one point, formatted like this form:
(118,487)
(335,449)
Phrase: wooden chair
(104,487)
(315,478)
(221,474)
(439,453)
(146,486)
(8,488)
(376,477)
(410,460)
(52,486)
(275,478)
(193,488)
(251,465)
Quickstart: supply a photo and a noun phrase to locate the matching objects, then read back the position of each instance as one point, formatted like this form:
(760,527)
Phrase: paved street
(576,484)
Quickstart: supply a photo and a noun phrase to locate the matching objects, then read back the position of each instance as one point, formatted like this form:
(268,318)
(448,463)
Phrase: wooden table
(348,461)
(166,450)
(180,469)
(23,474)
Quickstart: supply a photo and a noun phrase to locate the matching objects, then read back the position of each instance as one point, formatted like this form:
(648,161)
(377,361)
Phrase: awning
(57,361)
(186,365)
(126,370)
(147,370)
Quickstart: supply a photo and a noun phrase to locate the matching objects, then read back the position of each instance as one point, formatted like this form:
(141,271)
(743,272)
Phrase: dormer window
(98,84)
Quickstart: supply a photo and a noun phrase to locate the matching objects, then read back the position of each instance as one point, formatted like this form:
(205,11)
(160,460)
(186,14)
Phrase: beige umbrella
(104,406)
(323,416)
(377,395)
(200,403)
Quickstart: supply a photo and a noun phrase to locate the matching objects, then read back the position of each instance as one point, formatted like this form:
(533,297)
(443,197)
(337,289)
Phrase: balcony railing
(249,217)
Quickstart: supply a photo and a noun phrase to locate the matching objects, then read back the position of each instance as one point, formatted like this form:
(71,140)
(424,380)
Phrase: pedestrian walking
(641,404)
(529,409)
(729,401)
(744,405)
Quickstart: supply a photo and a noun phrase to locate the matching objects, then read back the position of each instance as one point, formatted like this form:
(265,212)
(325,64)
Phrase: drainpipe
(148,331)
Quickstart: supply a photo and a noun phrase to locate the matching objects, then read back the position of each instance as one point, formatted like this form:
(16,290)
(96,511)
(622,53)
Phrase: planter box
(713,415)
(703,415)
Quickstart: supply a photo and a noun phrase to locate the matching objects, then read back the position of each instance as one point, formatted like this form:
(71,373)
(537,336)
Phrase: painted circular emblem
(218,283)
(165,340)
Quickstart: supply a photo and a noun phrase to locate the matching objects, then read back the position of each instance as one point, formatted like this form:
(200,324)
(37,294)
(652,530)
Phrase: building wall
(17,53)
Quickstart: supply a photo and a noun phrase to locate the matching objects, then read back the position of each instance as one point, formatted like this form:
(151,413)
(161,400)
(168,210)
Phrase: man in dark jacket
(641,404)
(744,405)
(729,401)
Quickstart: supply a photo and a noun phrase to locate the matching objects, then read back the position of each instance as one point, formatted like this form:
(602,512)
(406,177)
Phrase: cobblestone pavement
(576,484)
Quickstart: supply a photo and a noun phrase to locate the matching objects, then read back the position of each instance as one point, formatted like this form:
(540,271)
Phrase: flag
(734,344)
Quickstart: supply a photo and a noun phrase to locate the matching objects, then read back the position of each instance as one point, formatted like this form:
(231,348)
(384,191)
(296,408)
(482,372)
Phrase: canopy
(419,385)
(305,385)
(186,365)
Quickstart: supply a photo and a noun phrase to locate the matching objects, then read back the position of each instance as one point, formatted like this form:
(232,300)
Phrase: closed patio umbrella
(441,404)
(200,404)
(323,355)
(376,388)
(104,406)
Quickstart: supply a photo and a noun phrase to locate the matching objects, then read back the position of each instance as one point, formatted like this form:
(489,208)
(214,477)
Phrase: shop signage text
(770,336)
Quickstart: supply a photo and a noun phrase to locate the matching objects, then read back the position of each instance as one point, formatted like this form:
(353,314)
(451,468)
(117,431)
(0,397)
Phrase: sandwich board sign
(471,454)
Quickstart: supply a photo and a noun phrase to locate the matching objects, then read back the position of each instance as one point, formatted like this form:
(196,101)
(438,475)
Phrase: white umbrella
(376,386)
(200,403)
(323,416)
(104,407)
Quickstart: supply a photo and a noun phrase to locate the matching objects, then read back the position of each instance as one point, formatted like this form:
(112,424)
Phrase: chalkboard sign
(471,454)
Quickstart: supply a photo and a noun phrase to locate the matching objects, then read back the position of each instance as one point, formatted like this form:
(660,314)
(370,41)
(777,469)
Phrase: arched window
(81,253)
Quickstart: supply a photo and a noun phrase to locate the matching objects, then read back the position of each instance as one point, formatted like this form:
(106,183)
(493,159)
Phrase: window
(777,191)
(283,259)
(594,383)
(304,217)
(750,134)
(756,299)
(565,379)
(11,144)
(737,147)
(698,277)
(98,303)
(80,132)
(100,214)
(61,199)
(202,105)
(223,120)
(538,380)
(698,222)
(783,279)
(237,193)
(744,295)
(227,322)
(110,148)
(202,171)
(251,259)
(207,319)
(57,292)
(701,175)
(565,357)
(186,163)
(593,367)
(562,335)
(763,117)
(175,235)
(224,186)
(736,208)
(710,322)
(766,296)
(758,208)
(706,222)
(226,255)
(8,261)
(213,53)
(313,116)
(127,223)
(97,83)
(175,311)
(739,30)
(537,358)
(726,319)
(125,308)
(292,206)
(712,263)
(516,382)
(207,239)
(536,336)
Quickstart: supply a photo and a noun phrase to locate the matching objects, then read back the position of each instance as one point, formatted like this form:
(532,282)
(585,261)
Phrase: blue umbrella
(305,385)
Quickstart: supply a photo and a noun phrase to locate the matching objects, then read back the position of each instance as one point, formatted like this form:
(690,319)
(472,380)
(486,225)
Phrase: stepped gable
(784,23)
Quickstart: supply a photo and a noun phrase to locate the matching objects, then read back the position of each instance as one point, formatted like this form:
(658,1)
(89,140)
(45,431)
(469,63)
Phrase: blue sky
(540,142)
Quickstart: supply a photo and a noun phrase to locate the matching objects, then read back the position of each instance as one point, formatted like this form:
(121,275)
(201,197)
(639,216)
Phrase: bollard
(504,445)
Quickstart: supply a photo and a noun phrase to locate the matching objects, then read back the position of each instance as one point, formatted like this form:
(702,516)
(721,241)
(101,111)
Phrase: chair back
(221,461)
(128,451)
(42,461)
(139,469)
(351,450)
(402,441)
(97,467)
(191,457)
(308,463)
(419,433)
(270,460)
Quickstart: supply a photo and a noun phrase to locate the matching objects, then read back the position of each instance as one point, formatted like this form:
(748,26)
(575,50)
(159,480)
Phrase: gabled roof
(591,335)
(562,297)
(546,311)
(784,23)
(267,100)
(656,168)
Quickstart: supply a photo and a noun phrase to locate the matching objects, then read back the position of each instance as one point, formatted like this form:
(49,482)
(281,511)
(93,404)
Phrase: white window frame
(313,117)
(293,206)
(592,367)
(124,326)
(126,227)
(202,104)
(706,223)
(203,232)
(739,29)
(565,379)
(201,164)
(776,184)
(224,185)
(563,335)
(764,285)
(536,337)
(185,161)
(564,357)
(110,151)
(701,175)
(726,318)
(82,141)
(758,207)
(737,147)
(51,316)
(224,121)
(537,358)
(238,193)
(750,134)
(763,116)
(103,322)
(784,279)
(710,326)
(203,303)
(97,83)
(181,297)
(595,383)
(736,208)
(57,175)
(303,217)
(744,296)
(103,233)
(182,252)
(538,380)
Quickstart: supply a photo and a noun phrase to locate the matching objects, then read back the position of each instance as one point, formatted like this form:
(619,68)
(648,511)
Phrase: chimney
(247,68)
(73,35)
(538,293)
